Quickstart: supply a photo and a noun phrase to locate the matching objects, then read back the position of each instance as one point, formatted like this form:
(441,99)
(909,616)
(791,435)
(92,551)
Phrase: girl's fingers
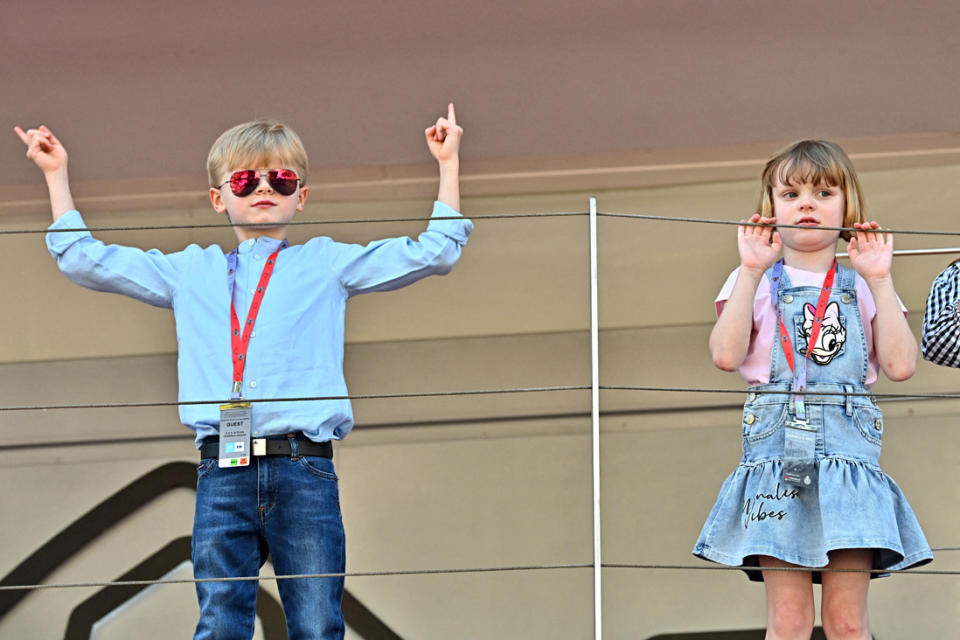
(451,115)
(868,232)
(761,225)
(744,229)
(24,138)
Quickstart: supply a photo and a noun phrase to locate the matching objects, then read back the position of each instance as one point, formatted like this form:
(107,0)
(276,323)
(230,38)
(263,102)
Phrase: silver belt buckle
(259,446)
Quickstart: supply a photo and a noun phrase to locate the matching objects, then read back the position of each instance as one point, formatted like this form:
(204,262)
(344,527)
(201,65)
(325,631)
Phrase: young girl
(809,336)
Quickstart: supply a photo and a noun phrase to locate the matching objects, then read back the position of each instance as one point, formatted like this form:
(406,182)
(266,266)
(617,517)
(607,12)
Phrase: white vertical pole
(595,402)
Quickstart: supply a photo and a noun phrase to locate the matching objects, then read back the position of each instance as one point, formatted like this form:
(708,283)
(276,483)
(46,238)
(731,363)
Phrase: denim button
(750,419)
(877,424)
(751,396)
(788,298)
(845,298)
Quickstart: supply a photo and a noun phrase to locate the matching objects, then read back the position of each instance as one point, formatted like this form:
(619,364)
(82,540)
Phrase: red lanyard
(817,320)
(240,343)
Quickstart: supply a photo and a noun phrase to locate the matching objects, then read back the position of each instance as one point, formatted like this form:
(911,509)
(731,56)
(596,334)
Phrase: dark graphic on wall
(87,528)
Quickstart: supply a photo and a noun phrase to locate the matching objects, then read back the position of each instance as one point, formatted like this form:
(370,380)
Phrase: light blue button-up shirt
(296,349)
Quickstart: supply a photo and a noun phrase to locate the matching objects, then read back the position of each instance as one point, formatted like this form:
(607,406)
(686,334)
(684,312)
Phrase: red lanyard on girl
(239,342)
(800,372)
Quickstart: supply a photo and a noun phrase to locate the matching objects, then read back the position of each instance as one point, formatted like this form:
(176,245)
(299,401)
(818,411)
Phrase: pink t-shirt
(756,368)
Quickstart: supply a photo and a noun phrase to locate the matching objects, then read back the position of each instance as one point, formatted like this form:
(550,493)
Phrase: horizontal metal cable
(495,216)
(736,223)
(865,394)
(942,251)
(454,571)
(349,574)
(712,567)
(360,396)
(420,423)
(293,223)
(953,395)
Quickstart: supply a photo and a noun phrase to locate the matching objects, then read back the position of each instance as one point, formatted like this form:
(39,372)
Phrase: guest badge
(235,434)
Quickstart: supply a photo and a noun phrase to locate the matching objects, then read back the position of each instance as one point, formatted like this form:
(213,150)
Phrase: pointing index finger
(23,136)
(451,116)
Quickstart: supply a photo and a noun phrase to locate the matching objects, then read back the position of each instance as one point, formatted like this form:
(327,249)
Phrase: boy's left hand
(443,138)
(871,252)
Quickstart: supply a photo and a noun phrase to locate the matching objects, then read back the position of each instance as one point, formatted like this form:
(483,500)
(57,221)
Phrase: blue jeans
(287,506)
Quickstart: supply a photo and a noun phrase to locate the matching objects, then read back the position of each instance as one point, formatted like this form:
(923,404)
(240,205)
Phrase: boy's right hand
(443,138)
(43,149)
(759,246)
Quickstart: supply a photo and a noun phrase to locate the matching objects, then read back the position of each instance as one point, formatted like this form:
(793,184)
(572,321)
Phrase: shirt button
(845,298)
(250,242)
(253,384)
(750,419)
(253,334)
(788,298)
(253,291)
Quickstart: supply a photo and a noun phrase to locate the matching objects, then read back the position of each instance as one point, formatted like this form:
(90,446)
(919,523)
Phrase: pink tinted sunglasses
(243,183)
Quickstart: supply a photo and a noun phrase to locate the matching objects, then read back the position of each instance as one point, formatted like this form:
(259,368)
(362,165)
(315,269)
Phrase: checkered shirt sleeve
(940,341)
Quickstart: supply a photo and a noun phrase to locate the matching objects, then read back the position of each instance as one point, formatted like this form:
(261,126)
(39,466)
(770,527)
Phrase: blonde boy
(265,320)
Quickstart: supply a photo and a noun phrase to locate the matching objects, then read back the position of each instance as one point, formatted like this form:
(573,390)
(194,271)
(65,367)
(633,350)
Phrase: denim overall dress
(852,504)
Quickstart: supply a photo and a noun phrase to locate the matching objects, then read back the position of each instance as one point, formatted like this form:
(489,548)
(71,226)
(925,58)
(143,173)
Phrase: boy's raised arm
(48,153)
(149,276)
(396,262)
(443,140)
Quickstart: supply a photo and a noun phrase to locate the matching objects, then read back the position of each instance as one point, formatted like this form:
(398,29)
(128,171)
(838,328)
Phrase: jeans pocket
(319,466)
(869,421)
(762,420)
(206,466)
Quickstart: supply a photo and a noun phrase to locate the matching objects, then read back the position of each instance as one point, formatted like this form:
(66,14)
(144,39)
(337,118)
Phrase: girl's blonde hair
(814,162)
(252,145)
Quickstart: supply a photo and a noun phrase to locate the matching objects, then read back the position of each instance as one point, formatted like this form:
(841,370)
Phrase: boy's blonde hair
(252,145)
(814,162)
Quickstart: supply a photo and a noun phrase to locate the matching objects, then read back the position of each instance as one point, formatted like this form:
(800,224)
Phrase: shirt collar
(265,244)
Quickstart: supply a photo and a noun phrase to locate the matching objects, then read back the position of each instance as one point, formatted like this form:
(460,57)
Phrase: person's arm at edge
(940,335)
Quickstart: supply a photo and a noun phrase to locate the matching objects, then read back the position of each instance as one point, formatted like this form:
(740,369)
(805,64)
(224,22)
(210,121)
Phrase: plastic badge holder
(799,454)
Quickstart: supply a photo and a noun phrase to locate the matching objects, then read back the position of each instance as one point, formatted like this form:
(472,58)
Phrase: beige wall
(481,480)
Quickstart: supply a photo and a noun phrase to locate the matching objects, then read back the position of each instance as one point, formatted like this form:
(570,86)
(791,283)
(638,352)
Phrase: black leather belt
(272,446)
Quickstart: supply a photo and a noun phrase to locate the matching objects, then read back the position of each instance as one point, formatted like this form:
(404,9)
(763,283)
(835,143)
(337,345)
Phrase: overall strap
(846,278)
(800,370)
